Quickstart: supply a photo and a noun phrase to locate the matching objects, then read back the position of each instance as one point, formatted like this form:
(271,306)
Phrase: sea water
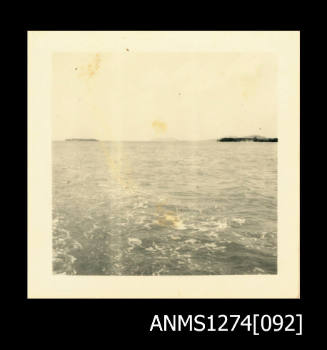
(164,208)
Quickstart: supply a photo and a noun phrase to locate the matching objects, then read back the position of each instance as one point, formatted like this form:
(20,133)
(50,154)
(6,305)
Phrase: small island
(248,139)
(81,140)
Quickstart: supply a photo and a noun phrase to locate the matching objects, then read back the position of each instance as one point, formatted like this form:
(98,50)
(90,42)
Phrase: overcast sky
(144,96)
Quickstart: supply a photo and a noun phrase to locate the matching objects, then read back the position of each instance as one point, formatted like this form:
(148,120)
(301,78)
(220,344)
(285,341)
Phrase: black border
(134,316)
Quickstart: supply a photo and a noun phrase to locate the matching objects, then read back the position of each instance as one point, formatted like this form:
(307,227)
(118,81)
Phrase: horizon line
(106,140)
(158,140)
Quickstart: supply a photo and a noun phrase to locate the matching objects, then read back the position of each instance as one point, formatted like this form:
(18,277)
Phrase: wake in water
(199,209)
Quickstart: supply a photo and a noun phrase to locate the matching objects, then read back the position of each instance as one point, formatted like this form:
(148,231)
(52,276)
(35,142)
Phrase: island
(248,139)
(81,140)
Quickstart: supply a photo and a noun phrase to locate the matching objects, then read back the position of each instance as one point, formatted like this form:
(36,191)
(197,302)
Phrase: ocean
(164,208)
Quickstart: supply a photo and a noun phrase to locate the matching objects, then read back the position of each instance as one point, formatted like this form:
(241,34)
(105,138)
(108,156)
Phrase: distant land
(248,139)
(81,140)
(254,138)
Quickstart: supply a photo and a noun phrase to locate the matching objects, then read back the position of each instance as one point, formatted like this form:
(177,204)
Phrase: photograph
(164,163)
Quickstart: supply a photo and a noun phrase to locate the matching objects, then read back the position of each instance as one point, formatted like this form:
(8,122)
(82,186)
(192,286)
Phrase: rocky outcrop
(248,139)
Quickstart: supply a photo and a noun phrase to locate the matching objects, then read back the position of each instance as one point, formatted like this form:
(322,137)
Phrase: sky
(145,96)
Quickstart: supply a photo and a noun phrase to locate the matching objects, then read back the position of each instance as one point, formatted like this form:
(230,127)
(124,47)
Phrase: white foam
(222,248)
(210,245)
(150,249)
(240,221)
(157,247)
(192,241)
(221,225)
(179,225)
(140,204)
(212,234)
(134,241)
(174,237)
(258,270)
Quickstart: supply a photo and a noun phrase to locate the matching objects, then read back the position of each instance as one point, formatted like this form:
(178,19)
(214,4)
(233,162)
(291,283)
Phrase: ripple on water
(212,212)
